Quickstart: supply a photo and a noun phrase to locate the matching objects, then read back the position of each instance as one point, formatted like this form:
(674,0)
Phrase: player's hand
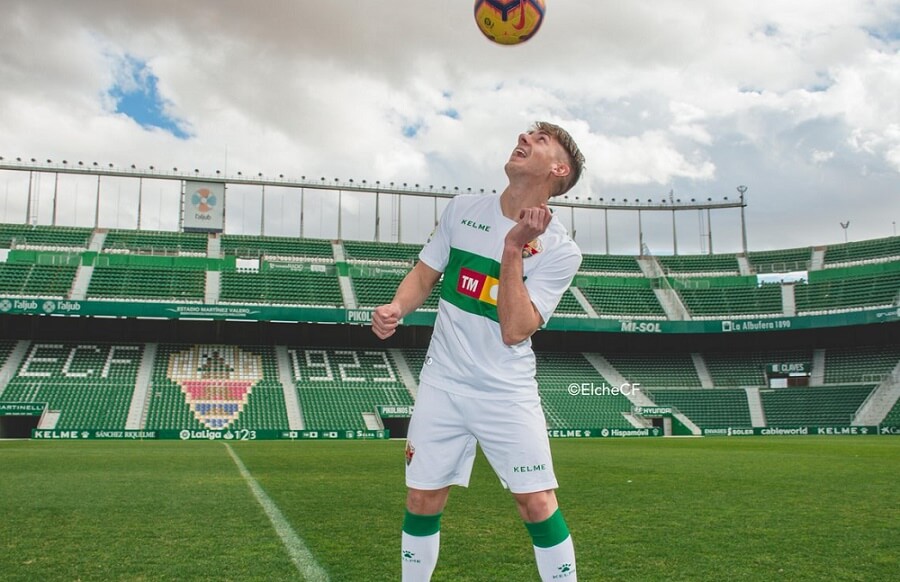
(385,320)
(531,224)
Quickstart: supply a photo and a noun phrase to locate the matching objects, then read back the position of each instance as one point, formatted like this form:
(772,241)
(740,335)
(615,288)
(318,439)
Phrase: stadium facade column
(97,205)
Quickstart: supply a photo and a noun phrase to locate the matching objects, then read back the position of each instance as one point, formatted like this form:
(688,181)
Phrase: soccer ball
(509,21)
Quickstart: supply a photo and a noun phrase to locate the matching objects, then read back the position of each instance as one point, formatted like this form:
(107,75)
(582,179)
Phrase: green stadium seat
(707,408)
(64,238)
(335,387)
(847,365)
(36,280)
(740,369)
(358,251)
(89,383)
(556,372)
(656,369)
(170,393)
(248,246)
(865,251)
(847,293)
(731,301)
(780,261)
(148,283)
(281,287)
(698,264)
(156,242)
(610,264)
(823,405)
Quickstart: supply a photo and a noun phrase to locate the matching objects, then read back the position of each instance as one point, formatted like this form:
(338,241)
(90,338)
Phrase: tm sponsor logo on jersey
(478,286)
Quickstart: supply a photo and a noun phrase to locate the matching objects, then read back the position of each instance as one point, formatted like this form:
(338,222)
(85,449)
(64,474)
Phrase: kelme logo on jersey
(478,285)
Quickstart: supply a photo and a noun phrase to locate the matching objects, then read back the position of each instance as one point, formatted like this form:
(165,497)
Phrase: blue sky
(136,95)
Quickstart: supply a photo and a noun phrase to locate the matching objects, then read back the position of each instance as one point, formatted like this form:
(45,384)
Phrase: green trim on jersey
(469,302)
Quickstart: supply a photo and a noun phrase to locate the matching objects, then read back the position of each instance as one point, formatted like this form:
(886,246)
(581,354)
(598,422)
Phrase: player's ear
(560,169)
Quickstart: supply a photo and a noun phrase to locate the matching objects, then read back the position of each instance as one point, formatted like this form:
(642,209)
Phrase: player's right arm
(411,294)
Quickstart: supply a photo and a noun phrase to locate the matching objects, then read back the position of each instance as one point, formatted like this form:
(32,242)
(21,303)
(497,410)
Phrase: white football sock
(419,556)
(557,562)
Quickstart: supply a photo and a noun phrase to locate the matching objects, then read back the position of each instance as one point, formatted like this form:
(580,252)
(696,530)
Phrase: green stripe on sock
(550,532)
(421,525)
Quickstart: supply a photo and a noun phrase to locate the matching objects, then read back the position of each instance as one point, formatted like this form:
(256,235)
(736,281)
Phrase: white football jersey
(467,354)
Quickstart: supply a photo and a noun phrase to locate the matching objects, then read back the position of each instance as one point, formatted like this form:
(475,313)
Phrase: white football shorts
(445,427)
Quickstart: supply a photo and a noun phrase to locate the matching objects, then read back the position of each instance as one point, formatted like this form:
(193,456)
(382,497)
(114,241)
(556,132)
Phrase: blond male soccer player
(506,262)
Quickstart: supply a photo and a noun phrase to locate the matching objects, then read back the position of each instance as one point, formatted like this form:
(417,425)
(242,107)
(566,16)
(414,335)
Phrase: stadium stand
(731,301)
(610,264)
(215,386)
(698,264)
(36,280)
(848,293)
(415,359)
(623,300)
(64,238)
(730,369)
(780,261)
(656,369)
(247,246)
(156,242)
(281,287)
(708,408)
(858,252)
(556,372)
(90,384)
(822,405)
(6,346)
(893,416)
(134,282)
(569,305)
(378,290)
(336,387)
(358,251)
(863,364)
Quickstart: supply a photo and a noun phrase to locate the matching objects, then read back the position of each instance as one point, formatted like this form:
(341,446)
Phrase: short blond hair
(576,158)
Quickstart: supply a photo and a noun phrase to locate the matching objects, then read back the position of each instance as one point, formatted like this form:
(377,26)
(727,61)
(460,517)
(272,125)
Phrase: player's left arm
(518,316)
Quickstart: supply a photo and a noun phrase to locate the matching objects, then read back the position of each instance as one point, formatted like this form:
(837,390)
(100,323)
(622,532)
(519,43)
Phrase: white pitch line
(301,556)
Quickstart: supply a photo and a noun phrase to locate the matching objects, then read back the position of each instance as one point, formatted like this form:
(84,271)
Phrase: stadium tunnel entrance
(18,426)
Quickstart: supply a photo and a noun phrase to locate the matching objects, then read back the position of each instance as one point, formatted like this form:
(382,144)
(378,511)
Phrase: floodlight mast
(743,190)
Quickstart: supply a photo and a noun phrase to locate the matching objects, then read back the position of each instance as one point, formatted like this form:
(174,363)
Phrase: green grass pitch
(765,508)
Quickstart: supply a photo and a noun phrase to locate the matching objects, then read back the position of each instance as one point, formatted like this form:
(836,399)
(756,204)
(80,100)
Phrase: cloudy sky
(796,100)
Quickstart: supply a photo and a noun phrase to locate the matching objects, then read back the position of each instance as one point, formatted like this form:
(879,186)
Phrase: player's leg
(439,453)
(421,538)
(554,551)
(514,439)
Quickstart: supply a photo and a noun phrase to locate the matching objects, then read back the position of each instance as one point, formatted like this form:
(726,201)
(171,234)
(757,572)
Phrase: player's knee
(426,502)
(538,506)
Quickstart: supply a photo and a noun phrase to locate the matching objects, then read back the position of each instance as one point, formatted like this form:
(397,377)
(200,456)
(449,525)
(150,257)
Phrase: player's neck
(515,198)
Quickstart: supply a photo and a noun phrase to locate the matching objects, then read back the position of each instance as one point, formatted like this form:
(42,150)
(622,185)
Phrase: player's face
(535,154)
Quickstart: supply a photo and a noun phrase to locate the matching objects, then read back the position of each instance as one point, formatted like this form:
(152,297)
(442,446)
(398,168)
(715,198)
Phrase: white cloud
(793,98)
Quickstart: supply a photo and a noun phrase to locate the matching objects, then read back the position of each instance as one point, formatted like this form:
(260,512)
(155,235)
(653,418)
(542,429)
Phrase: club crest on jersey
(532,248)
(478,286)
(410,452)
